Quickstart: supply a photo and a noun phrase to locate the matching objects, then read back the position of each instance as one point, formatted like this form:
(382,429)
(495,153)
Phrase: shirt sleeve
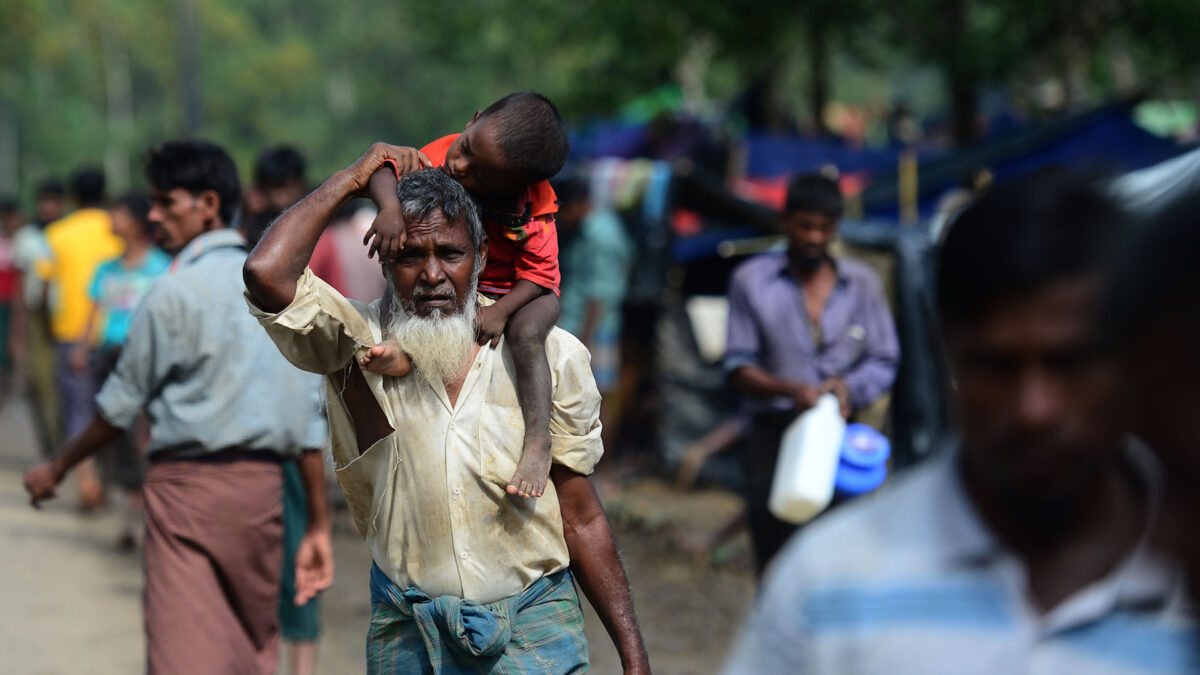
(743,344)
(320,330)
(875,373)
(157,338)
(575,411)
(537,254)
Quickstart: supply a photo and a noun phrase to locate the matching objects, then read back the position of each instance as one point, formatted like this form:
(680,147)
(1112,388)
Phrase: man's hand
(805,397)
(314,565)
(491,321)
(407,160)
(79,357)
(40,482)
(838,388)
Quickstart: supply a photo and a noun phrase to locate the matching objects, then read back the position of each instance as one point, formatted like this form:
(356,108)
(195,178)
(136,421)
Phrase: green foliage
(100,81)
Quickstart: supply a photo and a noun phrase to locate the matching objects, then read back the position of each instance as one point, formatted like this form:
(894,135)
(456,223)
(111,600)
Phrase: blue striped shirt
(910,581)
(206,373)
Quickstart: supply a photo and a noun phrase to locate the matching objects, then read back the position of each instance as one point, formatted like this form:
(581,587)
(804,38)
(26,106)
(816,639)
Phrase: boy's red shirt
(527,247)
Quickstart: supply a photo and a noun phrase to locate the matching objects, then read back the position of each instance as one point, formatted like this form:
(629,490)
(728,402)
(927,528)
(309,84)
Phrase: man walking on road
(466,577)
(224,409)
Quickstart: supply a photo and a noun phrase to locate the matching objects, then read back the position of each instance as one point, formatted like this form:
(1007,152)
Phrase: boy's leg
(526,333)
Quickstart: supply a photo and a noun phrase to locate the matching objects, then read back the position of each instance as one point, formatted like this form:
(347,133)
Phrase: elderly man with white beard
(465,578)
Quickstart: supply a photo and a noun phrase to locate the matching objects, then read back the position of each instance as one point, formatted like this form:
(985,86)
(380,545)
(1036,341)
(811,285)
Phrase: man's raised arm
(279,260)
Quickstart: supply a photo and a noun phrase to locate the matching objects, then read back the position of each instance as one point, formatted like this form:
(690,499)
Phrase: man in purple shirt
(802,323)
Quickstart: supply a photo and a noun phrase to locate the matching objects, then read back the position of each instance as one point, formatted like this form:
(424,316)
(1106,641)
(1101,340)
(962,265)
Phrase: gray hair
(423,192)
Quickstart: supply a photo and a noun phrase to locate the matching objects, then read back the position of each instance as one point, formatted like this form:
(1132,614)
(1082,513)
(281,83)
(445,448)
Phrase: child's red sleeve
(395,167)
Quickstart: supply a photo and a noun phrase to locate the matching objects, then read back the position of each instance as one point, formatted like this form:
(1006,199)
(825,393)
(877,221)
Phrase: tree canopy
(85,80)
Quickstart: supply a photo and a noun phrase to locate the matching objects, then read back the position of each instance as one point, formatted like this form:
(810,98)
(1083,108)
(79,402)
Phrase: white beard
(439,345)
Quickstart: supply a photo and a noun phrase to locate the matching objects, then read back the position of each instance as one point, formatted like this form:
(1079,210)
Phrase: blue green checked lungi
(538,631)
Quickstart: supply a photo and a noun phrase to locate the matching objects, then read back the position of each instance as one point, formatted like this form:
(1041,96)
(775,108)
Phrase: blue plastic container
(863,463)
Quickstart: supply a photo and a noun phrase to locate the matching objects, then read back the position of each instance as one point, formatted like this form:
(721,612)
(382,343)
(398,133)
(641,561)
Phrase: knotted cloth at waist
(457,635)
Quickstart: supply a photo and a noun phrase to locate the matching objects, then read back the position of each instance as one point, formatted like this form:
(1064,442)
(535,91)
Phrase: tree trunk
(118,89)
(960,79)
(189,68)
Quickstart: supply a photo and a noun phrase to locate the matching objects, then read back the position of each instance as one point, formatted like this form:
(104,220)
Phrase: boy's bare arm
(388,230)
(493,318)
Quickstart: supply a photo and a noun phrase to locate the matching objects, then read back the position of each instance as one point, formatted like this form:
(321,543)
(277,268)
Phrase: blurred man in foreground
(1023,547)
(1153,318)
(225,408)
(802,323)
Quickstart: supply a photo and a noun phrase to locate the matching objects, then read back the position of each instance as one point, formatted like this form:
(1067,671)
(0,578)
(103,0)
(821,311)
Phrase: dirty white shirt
(430,497)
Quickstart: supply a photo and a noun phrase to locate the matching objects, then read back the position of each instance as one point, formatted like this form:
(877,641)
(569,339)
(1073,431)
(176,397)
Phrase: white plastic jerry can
(807,463)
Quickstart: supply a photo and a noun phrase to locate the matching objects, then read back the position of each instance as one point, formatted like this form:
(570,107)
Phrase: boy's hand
(491,322)
(388,232)
(410,160)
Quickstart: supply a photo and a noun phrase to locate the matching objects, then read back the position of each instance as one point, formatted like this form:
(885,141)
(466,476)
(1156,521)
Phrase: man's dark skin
(434,270)
(809,235)
(1041,429)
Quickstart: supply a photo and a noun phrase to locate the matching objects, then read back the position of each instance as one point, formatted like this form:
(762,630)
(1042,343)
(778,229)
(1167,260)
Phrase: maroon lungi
(214,546)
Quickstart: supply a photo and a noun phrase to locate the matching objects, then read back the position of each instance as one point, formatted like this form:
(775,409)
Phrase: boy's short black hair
(87,186)
(531,134)
(814,193)
(138,205)
(1022,236)
(196,166)
(8,205)
(279,165)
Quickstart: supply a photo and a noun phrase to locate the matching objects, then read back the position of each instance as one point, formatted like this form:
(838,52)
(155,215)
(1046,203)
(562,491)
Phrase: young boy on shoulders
(504,158)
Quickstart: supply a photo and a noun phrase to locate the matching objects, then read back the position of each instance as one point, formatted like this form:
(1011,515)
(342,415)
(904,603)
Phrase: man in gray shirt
(225,408)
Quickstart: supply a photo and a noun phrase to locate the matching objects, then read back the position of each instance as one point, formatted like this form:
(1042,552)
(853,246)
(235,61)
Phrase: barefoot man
(466,578)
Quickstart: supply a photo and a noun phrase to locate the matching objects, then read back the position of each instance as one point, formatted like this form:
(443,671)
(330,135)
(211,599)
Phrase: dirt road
(72,601)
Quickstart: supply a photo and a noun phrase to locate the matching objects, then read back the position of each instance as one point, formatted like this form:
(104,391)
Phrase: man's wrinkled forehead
(436,224)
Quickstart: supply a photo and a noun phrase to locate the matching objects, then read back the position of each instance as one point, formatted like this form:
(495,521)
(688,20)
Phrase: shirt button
(453,426)
(457,491)
(464,555)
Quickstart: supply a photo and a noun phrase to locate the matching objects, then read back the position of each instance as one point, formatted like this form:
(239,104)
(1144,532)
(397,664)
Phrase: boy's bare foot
(388,359)
(533,470)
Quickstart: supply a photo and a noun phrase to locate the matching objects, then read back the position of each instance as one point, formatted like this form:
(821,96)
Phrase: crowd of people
(212,350)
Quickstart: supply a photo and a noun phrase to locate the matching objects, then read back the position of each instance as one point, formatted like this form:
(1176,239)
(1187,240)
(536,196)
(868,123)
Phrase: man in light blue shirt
(225,409)
(1025,547)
